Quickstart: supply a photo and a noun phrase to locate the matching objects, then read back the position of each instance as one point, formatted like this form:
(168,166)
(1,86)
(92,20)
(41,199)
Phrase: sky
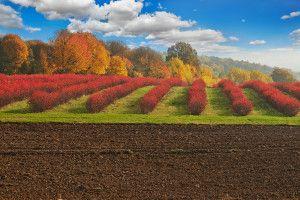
(261,31)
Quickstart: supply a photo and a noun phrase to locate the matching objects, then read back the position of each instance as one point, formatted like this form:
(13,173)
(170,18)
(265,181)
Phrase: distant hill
(224,64)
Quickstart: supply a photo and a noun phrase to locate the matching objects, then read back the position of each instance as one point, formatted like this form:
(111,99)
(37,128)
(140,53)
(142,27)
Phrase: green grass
(172,110)
(76,106)
(218,103)
(128,104)
(173,103)
(261,107)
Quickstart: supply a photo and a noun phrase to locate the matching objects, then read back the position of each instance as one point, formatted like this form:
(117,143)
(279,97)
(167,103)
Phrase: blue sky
(263,31)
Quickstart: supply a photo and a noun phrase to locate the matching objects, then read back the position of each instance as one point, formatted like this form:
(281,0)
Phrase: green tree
(184,52)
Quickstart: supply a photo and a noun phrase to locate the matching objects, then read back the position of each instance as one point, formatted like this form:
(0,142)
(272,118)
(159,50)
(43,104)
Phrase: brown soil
(86,161)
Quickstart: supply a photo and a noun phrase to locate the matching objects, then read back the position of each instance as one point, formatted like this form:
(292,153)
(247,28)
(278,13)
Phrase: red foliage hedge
(98,101)
(239,102)
(19,87)
(290,88)
(283,103)
(149,101)
(197,98)
(41,100)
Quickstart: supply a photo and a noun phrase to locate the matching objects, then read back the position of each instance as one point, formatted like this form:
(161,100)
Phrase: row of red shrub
(153,97)
(98,101)
(239,102)
(283,103)
(41,101)
(197,98)
(17,90)
(290,88)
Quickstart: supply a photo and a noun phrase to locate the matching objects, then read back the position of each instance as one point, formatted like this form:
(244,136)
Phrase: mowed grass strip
(218,103)
(75,106)
(173,103)
(20,107)
(261,107)
(128,104)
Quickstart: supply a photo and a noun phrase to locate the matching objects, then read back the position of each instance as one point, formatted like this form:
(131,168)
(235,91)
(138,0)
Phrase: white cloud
(243,20)
(257,42)
(234,39)
(291,15)
(295,35)
(54,9)
(125,18)
(10,18)
(32,29)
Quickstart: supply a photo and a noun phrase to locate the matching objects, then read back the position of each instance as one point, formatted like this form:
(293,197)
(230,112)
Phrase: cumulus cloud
(295,35)
(257,42)
(54,9)
(10,18)
(291,15)
(125,18)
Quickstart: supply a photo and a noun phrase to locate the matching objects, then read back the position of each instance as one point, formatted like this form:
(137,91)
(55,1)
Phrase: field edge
(101,118)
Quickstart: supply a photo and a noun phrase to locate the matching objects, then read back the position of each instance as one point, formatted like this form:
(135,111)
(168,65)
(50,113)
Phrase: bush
(283,103)
(41,101)
(239,102)
(153,97)
(98,101)
(197,98)
(290,88)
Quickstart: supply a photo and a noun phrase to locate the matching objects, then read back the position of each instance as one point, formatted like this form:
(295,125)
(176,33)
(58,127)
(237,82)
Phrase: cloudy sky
(262,31)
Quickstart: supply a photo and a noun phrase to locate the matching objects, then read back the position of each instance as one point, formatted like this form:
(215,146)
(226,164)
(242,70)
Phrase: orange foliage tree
(13,53)
(79,53)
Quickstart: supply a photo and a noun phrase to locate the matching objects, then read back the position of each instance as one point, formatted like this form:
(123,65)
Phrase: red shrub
(197,98)
(97,102)
(41,101)
(152,98)
(239,102)
(290,88)
(20,87)
(283,103)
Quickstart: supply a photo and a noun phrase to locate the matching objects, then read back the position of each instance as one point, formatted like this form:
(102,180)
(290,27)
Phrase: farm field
(77,100)
(148,161)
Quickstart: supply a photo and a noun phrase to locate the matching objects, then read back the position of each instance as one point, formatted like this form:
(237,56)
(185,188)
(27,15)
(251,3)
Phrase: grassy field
(171,110)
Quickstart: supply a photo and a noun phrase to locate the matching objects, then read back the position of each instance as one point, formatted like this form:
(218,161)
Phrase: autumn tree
(145,60)
(117,66)
(238,75)
(282,75)
(13,53)
(207,74)
(257,75)
(79,53)
(184,52)
(38,61)
(180,70)
(117,48)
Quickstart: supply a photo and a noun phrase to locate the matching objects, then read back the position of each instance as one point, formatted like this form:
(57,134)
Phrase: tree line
(83,53)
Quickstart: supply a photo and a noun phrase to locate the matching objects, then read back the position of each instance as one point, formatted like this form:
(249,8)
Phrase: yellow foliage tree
(117,66)
(238,75)
(207,75)
(257,75)
(180,70)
